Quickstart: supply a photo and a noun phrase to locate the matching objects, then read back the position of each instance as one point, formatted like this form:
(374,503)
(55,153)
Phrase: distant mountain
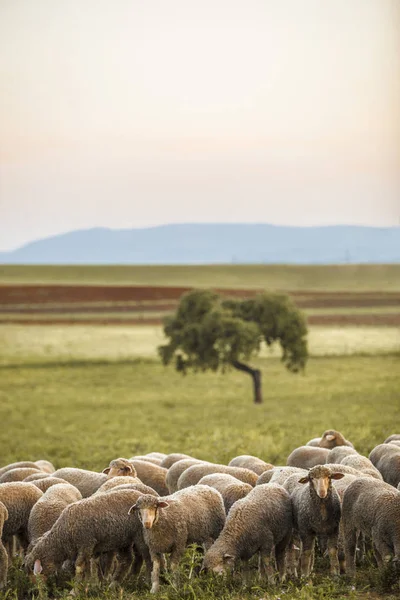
(214,243)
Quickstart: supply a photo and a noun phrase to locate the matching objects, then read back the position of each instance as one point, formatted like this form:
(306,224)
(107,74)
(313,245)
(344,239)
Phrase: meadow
(81,395)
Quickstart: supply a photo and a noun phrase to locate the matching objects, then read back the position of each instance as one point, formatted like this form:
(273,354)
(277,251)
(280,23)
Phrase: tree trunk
(256,376)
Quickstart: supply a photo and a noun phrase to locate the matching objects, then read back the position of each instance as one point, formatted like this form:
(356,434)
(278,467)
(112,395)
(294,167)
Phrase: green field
(271,277)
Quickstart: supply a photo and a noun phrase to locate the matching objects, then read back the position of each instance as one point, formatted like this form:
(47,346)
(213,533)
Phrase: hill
(214,244)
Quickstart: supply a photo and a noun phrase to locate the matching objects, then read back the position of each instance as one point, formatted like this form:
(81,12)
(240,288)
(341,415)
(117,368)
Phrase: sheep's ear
(304,479)
(229,557)
(337,475)
(106,471)
(37,567)
(128,468)
(162,504)
(132,509)
(330,437)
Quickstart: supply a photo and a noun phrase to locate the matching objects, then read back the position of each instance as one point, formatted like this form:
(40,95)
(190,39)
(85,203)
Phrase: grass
(358,278)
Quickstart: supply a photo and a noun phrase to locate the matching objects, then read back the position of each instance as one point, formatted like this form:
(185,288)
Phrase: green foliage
(207,332)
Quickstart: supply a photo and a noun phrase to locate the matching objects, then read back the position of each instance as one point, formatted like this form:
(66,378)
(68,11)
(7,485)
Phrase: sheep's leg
(125,559)
(306,560)
(280,556)
(360,552)
(3,566)
(155,573)
(293,554)
(383,553)
(176,556)
(267,564)
(82,564)
(333,554)
(350,543)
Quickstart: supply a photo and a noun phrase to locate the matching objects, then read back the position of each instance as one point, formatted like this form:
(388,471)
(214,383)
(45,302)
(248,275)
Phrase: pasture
(81,395)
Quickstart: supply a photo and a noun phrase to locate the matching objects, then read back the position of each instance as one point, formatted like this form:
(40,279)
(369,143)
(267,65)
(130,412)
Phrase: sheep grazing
(171,459)
(337,454)
(306,457)
(332,438)
(18,474)
(19,498)
(372,508)
(194,515)
(386,458)
(193,474)
(176,470)
(253,463)
(120,467)
(279,475)
(3,551)
(49,507)
(316,511)
(259,523)
(87,482)
(46,482)
(89,528)
(230,488)
(152,475)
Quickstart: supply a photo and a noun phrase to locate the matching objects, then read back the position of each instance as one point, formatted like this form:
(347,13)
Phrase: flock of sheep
(80,523)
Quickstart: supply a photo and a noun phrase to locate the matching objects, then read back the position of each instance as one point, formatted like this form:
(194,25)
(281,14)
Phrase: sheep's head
(120,467)
(217,562)
(38,563)
(332,438)
(320,480)
(147,507)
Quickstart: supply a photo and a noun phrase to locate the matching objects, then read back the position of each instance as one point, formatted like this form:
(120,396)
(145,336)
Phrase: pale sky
(133,113)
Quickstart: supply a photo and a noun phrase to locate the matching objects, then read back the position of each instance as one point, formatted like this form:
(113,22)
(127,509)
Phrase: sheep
(395,437)
(18,465)
(314,442)
(45,465)
(140,487)
(171,459)
(48,508)
(18,474)
(250,462)
(193,474)
(259,523)
(316,511)
(87,482)
(194,515)
(158,455)
(3,551)
(372,508)
(332,438)
(89,528)
(337,454)
(120,467)
(279,475)
(176,470)
(151,459)
(19,498)
(37,476)
(306,457)
(361,463)
(230,488)
(386,458)
(152,475)
(46,482)
(115,482)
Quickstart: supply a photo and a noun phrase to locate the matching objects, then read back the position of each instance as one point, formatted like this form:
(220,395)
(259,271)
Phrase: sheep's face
(39,566)
(148,508)
(217,563)
(320,480)
(331,439)
(120,468)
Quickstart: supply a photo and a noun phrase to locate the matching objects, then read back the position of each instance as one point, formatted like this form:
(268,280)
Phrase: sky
(135,113)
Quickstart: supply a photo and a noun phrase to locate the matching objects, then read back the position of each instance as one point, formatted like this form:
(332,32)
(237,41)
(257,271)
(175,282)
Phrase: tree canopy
(208,332)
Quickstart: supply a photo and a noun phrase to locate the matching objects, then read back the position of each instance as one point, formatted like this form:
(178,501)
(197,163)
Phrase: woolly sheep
(314,442)
(279,475)
(49,507)
(45,465)
(306,457)
(193,474)
(3,552)
(120,467)
(140,487)
(116,481)
(391,438)
(361,463)
(89,528)
(316,511)
(386,458)
(18,474)
(36,476)
(19,498)
(18,465)
(372,508)
(152,475)
(332,438)
(151,459)
(171,459)
(87,482)
(193,515)
(253,463)
(176,470)
(230,488)
(337,454)
(259,523)
(46,482)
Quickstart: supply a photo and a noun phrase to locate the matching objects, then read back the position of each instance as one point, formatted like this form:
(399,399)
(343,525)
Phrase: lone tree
(210,333)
